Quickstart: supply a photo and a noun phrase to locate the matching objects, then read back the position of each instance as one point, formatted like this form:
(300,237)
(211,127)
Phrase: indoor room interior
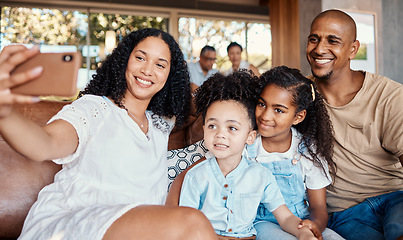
(271,32)
(278,27)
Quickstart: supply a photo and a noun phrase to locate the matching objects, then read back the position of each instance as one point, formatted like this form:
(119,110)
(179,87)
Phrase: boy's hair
(172,100)
(234,44)
(316,128)
(237,86)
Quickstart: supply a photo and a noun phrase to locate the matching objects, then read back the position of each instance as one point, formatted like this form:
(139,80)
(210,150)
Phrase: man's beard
(325,77)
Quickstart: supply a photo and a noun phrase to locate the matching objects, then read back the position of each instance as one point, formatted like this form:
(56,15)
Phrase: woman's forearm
(35,142)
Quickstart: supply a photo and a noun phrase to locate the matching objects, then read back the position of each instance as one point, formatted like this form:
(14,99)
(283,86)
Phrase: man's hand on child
(306,234)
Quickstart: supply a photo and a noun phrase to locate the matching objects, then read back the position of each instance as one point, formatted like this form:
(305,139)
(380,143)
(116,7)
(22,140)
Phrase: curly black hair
(316,128)
(172,100)
(237,86)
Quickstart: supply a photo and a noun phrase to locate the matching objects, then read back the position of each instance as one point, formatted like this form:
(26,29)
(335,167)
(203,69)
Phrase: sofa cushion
(180,159)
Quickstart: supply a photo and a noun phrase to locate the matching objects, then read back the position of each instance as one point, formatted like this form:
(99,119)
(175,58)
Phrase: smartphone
(58,78)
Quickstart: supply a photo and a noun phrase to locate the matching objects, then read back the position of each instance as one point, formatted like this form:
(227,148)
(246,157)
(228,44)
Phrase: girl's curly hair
(236,86)
(172,100)
(316,128)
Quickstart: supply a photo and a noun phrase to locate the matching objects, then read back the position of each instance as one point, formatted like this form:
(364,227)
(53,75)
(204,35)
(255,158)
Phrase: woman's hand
(10,58)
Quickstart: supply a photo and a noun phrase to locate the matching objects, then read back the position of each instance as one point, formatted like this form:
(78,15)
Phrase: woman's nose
(146,68)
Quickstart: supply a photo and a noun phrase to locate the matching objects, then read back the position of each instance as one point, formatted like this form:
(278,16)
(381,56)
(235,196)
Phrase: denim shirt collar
(220,176)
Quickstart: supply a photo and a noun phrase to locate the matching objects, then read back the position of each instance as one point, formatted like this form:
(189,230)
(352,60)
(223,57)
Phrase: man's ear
(251,137)
(299,117)
(354,49)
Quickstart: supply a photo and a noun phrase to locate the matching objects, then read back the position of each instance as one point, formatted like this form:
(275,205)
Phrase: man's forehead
(328,28)
(209,53)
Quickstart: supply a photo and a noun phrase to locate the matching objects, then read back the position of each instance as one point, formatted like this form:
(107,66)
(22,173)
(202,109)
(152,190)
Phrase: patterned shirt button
(225,185)
(224,198)
(230,230)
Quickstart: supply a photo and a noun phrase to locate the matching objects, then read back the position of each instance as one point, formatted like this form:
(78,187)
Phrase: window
(94,32)
(255,38)
(57,30)
(106,30)
(53,30)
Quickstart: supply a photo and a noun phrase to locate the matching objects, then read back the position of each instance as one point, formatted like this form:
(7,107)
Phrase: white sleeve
(78,115)
(315,177)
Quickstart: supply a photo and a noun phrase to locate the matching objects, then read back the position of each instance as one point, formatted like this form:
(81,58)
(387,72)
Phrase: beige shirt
(368,142)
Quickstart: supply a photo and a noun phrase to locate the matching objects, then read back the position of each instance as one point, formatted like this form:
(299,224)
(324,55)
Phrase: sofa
(21,179)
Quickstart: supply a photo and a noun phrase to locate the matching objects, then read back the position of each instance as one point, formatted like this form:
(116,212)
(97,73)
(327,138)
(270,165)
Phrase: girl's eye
(140,58)
(233,128)
(261,104)
(211,126)
(277,110)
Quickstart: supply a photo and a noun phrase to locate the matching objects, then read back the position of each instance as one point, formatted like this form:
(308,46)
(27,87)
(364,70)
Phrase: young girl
(227,187)
(295,143)
(112,143)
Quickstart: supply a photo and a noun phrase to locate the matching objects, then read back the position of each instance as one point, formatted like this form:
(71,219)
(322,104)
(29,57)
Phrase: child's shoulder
(258,171)
(200,167)
(295,133)
(253,165)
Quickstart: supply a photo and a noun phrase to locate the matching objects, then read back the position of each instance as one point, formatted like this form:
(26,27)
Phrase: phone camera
(67,58)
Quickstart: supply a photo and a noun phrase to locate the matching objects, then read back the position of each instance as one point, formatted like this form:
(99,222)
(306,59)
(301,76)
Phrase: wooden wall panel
(284,21)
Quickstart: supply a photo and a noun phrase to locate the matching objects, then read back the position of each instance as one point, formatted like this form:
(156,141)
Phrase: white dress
(115,168)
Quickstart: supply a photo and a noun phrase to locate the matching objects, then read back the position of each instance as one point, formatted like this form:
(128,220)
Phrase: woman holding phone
(112,143)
